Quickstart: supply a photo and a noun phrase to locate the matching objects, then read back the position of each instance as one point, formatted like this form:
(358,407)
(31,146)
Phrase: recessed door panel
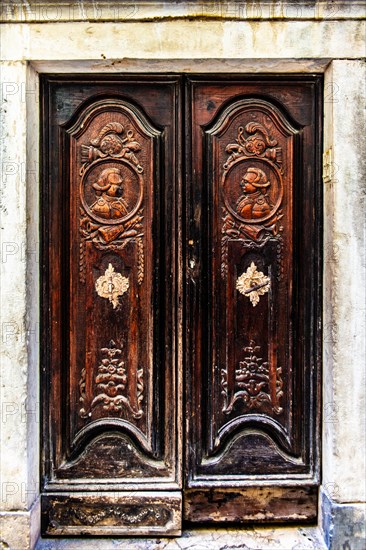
(112,276)
(252,151)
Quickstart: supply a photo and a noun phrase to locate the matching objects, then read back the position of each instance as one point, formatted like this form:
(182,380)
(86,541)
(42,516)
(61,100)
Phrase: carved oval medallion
(111,191)
(252,190)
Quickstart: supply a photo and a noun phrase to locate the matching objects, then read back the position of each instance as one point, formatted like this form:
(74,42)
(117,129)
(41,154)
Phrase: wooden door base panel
(259,504)
(112,514)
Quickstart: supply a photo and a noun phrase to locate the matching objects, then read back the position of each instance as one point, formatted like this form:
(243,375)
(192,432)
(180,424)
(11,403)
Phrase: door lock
(253,283)
(111,285)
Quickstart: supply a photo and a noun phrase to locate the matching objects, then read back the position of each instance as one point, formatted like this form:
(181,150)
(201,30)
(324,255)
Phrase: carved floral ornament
(257,385)
(111,384)
(253,284)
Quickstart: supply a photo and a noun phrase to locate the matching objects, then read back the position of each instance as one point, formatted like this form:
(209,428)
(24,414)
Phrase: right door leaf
(255,288)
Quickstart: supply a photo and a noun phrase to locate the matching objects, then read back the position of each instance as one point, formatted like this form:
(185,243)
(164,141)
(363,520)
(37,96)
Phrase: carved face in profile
(109,189)
(254,180)
(254,202)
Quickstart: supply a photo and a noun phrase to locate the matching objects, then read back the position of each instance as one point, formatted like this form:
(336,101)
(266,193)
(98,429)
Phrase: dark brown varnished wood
(154,292)
(252,504)
(110,416)
(252,290)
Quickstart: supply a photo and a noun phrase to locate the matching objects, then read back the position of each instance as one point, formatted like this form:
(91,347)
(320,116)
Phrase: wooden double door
(181,291)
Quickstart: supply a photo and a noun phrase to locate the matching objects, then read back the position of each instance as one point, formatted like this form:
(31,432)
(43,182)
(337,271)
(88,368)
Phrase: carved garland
(129,515)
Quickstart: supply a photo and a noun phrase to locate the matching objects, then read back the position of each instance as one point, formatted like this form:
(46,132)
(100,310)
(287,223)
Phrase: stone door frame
(148,47)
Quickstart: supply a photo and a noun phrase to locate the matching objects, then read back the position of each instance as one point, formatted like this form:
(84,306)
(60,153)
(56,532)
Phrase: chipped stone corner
(343,525)
(20,530)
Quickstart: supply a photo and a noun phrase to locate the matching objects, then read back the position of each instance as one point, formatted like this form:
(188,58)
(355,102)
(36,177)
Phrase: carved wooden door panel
(253,299)
(155,293)
(111,407)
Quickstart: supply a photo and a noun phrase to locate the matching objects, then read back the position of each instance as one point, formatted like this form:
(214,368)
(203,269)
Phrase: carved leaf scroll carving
(253,141)
(111,141)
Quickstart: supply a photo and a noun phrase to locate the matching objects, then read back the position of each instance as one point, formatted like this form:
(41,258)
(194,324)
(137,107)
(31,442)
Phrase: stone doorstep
(280,538)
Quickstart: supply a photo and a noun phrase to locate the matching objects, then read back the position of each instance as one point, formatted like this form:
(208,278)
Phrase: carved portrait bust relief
(254,203)
(110,203)
(111,191)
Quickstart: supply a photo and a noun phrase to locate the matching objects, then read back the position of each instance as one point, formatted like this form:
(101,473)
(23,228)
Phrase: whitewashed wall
(40,38)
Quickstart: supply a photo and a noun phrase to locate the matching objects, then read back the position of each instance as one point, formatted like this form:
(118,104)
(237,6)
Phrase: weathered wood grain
(112,514)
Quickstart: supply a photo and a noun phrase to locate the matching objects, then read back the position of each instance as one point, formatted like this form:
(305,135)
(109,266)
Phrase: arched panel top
(256,109)
(134,114)
(252,142)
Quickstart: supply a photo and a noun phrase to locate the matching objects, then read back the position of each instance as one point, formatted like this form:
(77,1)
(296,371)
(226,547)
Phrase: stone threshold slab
(280,538)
